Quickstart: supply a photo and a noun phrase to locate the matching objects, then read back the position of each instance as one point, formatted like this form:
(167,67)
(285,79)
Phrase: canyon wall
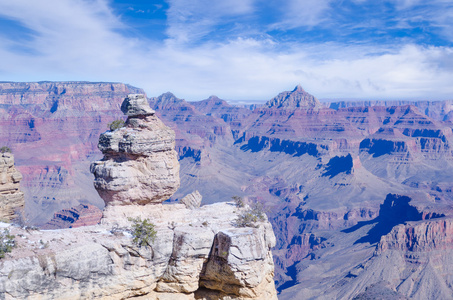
(322,174)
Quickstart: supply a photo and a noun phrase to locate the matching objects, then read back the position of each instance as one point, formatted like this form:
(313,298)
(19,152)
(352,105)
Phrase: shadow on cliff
(394,211)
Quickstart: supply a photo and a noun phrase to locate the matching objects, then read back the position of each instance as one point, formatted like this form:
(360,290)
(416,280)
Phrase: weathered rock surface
(193,200)
(11,198)
(140,165)
(197,254)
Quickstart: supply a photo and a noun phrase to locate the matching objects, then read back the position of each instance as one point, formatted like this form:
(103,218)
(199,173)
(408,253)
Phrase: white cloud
(77,40)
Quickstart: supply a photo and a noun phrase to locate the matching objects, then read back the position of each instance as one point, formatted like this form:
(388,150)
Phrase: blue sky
(235,49)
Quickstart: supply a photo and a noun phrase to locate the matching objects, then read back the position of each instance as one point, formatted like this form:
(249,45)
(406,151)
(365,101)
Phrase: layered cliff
(11,197)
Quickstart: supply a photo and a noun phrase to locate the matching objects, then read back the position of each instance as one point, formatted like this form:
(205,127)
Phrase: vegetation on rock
(143,232)
(238,201)
(117,124)
(252,215)
(5,149)
(7,242)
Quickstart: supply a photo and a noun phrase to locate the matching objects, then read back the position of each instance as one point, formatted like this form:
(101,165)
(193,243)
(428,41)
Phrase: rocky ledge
(197,254)
(11,198)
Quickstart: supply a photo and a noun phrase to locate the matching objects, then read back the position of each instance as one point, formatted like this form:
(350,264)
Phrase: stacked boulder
(140,165)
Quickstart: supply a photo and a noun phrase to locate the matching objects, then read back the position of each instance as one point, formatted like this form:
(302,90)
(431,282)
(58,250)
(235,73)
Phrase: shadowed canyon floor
(359,195)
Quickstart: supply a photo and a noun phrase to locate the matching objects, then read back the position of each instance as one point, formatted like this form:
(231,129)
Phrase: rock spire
(140,165)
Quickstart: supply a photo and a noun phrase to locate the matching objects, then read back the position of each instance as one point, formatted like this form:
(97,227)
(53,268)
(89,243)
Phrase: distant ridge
(297,98)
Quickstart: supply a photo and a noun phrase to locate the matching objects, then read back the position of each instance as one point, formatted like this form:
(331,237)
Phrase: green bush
(117,124)
(252,215)
(7,242)
(5,149)
(143,232)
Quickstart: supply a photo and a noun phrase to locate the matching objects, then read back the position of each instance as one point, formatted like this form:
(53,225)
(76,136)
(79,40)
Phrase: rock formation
(297,98)
(198,252)
(11,198)
(192,200)
(140,165)
(54,129)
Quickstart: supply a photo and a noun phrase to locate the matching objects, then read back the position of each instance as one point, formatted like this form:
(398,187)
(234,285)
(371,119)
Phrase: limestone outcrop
(197,254)
(140,165)
(11,198)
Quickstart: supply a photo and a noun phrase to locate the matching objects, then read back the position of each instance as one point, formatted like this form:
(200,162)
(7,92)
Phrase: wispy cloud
(297,13)
(190,20)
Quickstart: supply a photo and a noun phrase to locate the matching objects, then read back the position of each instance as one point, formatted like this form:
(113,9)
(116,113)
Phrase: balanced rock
(140,165)
(11,198)
(136,105)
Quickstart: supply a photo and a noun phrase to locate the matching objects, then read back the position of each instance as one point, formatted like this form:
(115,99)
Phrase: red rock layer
(419,236)
(80,215)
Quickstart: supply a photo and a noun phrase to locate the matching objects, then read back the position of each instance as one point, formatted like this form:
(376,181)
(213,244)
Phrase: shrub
(7,242)
(238,201)
(5,149)
(252,215)
(117,124)
(143,232)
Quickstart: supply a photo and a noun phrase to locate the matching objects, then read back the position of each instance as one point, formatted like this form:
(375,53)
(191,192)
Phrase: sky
(235,49)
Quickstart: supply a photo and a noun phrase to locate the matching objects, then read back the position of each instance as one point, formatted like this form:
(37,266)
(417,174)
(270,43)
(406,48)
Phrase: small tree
(117,124)
(7,242)
(143,232)
(5,149)
(252,215)
(238,201)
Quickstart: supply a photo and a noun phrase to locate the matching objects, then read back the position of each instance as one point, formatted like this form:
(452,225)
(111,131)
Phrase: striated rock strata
(11,198)
(197,254)
(78,216)
(140,165)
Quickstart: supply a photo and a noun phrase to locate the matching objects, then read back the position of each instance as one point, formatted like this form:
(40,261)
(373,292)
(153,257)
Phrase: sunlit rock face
(196,254)
(140,165)
(11,198)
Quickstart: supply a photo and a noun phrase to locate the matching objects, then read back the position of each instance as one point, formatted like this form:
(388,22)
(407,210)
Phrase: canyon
(359,194)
